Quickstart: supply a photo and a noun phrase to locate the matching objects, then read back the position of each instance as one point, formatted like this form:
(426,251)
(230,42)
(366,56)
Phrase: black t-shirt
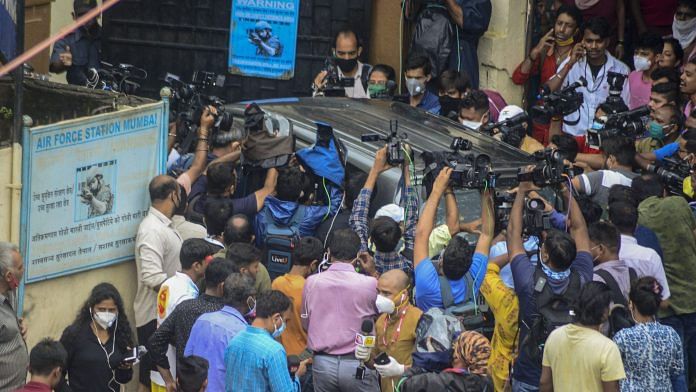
(88,367)
(340,223)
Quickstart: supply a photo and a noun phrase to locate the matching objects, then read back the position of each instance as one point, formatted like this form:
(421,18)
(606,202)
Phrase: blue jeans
(306,380)
(519,386)
(685,325)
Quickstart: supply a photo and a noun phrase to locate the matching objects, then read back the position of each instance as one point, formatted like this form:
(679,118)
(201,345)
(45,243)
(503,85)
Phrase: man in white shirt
(645,261)
(157,247)
(346,51)
(591,60)
(194,256)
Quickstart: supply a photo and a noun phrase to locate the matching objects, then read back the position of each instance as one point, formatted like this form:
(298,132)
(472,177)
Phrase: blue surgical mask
(596,125)
(278,331)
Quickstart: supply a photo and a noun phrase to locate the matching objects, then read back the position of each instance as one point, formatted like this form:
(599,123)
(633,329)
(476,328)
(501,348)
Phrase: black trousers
(144,334)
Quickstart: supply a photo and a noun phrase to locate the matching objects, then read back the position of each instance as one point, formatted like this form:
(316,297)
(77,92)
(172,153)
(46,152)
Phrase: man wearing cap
(96,194)
(266,43)
(515,134)
(80,50)
(392,231)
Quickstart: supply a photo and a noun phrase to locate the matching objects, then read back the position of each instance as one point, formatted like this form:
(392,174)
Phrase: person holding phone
(99,344)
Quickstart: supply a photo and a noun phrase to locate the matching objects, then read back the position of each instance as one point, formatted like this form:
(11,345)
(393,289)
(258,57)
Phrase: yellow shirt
(530,145)
(581,359)
(505,307)
(648,144)
(294,339)
(688,187)
(404,344)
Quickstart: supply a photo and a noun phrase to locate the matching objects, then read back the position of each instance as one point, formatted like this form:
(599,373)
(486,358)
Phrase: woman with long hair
(98,343)
(651,352)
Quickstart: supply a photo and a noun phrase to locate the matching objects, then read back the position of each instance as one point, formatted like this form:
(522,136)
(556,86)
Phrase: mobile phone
(382,359)
(133,357)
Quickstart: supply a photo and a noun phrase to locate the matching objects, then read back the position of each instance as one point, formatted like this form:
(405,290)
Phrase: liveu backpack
(280,242)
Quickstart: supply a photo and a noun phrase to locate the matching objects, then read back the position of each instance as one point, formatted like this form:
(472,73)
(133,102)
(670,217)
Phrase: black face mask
(448,105)
(346,65)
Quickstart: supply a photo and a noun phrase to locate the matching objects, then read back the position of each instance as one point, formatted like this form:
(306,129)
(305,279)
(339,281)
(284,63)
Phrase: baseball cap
(392,211)
(82,6)
(509,112)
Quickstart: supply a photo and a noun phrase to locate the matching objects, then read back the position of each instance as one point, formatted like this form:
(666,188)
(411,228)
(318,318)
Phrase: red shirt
(548,69)
(604,8)
(658,12)
(34,386)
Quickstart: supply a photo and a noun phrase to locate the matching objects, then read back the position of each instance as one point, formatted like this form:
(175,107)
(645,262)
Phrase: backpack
(471,312)
(619,314)
(435,336)
(551,311)
(280,242)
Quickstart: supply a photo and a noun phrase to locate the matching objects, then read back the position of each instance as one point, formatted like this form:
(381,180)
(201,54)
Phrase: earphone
(107,354)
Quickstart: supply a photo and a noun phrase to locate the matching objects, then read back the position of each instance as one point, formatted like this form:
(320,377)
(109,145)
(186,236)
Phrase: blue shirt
(257,363)
(666,151)
(210,336)
(531,245)
(526,369)
(430,103)
(648,239)
(428,282)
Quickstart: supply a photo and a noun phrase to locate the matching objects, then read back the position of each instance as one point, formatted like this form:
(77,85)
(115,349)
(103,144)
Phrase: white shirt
(173,291)
(594,94)
(357,91)
(188,230)
(644,260)
(157,247)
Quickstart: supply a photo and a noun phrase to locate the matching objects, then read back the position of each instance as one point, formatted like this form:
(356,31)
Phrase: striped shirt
(14,358)
(257,363)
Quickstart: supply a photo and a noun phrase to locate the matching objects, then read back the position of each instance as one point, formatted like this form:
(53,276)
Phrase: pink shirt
(334,305)
(639,90)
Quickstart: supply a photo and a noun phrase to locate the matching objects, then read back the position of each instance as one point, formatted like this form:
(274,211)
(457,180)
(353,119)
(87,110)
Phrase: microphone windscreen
(367,326)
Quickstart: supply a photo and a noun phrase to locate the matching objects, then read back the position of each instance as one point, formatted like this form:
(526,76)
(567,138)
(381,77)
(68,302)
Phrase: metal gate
(180,36)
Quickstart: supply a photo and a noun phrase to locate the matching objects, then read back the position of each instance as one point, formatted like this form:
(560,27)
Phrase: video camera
(672,173)
(188,102)
(627,124)
(558,103)
(117,78)
(534,219)
(502,202)
(395,149)
(335,85)
(550,170)
(470,171)
(512,129)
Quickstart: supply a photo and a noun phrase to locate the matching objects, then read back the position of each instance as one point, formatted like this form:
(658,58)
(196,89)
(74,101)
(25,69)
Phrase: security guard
(80,50)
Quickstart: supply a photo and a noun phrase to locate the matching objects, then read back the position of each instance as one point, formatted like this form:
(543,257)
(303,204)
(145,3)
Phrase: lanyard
(395,335)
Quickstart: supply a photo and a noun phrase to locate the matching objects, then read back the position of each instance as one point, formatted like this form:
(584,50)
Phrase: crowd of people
(285,276)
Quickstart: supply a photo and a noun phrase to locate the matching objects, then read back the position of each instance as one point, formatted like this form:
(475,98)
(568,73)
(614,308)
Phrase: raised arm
(201,156)
(483,246)
(427,219)
(361,207)
(410,203)
(269,187)
(452,212)
(515,246)
(578,227)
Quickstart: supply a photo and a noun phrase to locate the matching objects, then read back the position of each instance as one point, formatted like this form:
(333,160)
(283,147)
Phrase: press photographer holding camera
(343,70)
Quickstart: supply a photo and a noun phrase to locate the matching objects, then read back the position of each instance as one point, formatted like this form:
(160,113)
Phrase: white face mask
(641,63)
(684,31)
(475,125)
(105,319)
(384,304)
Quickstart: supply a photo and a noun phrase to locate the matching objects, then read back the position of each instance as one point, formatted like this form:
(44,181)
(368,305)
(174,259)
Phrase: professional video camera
(335,85)
(502,202)
(616,82)
(534,219)
(512,129)
(626,124)
(118,78)
(395,149)
(672,172)
(558,103)
(188,102)
(550,170)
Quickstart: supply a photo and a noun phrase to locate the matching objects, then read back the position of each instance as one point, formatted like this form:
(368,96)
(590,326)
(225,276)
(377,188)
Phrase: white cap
(393,211)
(509,112)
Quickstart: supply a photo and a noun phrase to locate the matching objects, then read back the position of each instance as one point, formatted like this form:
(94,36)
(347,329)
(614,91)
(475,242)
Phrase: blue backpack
(280,242)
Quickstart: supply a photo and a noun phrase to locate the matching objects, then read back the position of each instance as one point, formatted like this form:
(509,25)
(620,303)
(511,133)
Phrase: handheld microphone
(293,365)
(364,339)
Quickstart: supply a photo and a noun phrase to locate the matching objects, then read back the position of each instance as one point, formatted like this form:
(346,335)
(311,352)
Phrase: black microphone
(364,339)
(293,365)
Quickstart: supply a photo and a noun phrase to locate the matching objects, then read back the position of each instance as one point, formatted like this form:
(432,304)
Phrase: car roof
(351,118)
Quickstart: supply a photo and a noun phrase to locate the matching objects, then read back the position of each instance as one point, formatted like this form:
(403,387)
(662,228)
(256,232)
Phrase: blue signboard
(8,21)
(85,184)
(263,38)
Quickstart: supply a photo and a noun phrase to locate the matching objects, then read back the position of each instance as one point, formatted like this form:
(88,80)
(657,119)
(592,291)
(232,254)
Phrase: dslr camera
(395,143)
(188,102)
(672,173)
(627,124)
(558,103)
(550,169)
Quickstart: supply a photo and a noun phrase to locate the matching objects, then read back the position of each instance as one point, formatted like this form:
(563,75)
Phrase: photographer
(565,265)
(474,110)
(385,233)
(591,59)
(618,153)
(346,51)
(663,128)
(80,50)
(516,135)
(458,259)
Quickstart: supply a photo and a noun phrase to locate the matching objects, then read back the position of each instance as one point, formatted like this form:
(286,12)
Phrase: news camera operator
(513,129)
(80,50)
(342,66)
(591,60)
